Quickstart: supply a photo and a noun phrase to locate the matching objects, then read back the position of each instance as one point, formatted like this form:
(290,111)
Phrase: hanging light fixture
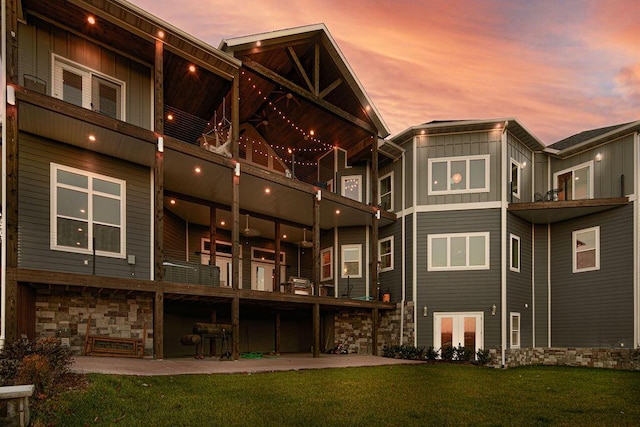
(250,232)
(305,243)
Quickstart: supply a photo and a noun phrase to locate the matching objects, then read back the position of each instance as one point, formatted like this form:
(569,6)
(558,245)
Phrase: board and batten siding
(593,308)
(541,284)
(39,40)
(517,151)
(36,156)
(352,236)
(519,294)
(459,291)
(395,168)
(541,179)
(458,145)
(391,280)
(617,161)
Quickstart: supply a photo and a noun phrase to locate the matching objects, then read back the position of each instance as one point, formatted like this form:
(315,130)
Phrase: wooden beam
(316,69)
(316,246)
(158,169)
(11,39)
(316,330)
(276,274)
(292,87)
(296,61)
(277,337)
(235,326)
(327,90)
(362,145)
(374,227)
(158,325)
(158,88)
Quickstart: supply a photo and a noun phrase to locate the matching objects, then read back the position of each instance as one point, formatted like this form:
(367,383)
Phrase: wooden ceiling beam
(296,61)
(327,90)
(287,84)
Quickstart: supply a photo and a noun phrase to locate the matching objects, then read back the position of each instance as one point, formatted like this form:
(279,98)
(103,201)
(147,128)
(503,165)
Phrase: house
(154,182)
(505,244)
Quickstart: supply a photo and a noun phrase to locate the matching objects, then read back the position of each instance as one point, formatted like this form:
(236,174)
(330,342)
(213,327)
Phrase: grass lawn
(440,394)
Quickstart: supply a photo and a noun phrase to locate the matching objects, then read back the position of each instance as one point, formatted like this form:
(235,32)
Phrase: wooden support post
(235,201)
(276,274)
(212,341)
(235,326)
(212,235)
(374,332)
(375,291)
(316,330)
(158,169)
(316,246)
(158,326)
(277,337)
(11,307)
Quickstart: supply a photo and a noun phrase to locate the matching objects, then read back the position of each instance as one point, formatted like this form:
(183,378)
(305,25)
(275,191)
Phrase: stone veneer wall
(353,329)
(65,314)
(613,358)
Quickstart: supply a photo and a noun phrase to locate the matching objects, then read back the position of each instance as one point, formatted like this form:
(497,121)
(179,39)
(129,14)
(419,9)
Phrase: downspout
(3,227)
(503,246)
(404,267)
(414,243)
(636,274)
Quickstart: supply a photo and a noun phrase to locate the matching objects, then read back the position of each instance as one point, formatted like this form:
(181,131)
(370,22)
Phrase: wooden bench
(97,345)
(17,396)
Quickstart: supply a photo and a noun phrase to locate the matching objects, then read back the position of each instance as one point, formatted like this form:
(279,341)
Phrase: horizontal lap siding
(353,236)
(408,245)
(34,210)
(541,289)
(519,295)
(392,280)
(459,291)
(594,308)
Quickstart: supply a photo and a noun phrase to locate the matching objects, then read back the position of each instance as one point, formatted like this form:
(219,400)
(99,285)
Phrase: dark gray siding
(519,294)
(39,40)
(520,153)
(541,289)
(392,280)
(617,160)
(352,236)
(459,291)
(454,145)
(34,210)
(408,247)
(594,308)
(408,158)
(395,168)
(541,184)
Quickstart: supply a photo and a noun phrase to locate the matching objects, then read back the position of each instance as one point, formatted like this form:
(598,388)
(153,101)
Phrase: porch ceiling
(550,212)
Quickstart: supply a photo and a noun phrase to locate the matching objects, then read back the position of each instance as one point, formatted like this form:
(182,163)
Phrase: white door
(458,330)
(262,276)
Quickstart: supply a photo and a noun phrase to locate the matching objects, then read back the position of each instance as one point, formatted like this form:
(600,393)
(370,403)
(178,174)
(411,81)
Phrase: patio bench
(18,402)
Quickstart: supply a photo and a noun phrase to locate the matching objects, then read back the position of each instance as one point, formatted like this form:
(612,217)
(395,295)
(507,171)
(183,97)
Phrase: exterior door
(458,330)
(262,275)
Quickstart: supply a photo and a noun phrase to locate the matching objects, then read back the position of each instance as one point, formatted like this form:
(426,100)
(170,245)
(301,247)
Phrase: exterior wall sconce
(11,95)
(319,195)
(424,311)
(523,165)
(378,214)
(160,144)
(598,157)
(493,310)
(236,170)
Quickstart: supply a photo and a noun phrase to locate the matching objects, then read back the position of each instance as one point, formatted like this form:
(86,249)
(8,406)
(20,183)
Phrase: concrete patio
(183,366)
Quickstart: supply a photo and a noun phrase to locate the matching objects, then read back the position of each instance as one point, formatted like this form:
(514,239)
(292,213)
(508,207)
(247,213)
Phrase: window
(87,209)
(515,253)
(459,175)
(385,190)
(515,330)
(89,89)
(351,264)
(351,187)
(575,183)
(515,178)
(461,251)
(586,250)
(326,264)
(385,250)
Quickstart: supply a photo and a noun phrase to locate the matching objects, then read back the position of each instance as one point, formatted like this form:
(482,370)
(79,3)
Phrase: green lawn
(440,394)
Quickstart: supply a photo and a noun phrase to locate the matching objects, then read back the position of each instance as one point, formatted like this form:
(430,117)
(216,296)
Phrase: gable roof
(587,138)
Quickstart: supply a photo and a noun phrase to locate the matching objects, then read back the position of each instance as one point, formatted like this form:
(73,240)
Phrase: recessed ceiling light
(267,190)
(312,132)
(169,117)
(91,20)
(172,201)
(197,169)
(337,211)
(192,68)
(161,34)
(92,138)
(222,223)
(284,236)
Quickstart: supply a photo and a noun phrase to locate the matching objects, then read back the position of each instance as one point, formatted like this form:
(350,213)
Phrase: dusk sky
(559,66)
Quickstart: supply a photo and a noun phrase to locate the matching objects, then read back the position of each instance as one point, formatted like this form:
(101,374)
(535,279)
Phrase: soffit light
(91,20)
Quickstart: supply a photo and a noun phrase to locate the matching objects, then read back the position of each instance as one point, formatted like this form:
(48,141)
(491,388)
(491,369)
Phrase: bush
(431,354)
(463,354)
(483,357)
(408,352)
(447,353)
(40,362)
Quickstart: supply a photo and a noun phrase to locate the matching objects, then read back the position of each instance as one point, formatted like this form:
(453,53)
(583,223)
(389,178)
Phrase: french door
(458,330)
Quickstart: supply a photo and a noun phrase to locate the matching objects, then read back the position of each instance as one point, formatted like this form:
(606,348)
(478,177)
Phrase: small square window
(586,250)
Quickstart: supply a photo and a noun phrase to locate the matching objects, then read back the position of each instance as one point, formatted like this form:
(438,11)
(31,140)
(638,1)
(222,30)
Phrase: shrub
(483,357)
(431,353)
(448,353)
(408,352)
(40,362)
(463,354)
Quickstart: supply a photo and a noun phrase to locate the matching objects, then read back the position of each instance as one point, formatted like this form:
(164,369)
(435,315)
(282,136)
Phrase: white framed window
(575,183)
(586,249)
(385,192)
(385,251)
(351,261)
(326,264)
(515,329)
(453,175)
(515,178)
(514,264)
(88,212)
(267,255)
(87,88)
(458,251)
(352,187)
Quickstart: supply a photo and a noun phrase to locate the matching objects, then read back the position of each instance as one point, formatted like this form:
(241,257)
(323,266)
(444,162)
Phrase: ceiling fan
(305,243)
(287,96)
(250,232)
(260,119)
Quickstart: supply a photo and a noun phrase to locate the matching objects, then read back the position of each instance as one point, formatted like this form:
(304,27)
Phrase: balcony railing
(191,273)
